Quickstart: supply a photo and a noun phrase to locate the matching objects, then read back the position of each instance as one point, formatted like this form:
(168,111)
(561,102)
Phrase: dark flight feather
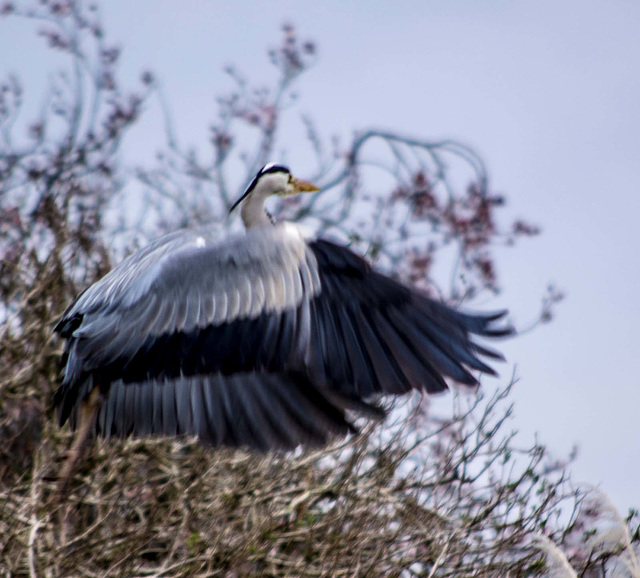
(259,411)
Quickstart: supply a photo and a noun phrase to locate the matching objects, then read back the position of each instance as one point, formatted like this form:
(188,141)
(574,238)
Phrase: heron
(268,338)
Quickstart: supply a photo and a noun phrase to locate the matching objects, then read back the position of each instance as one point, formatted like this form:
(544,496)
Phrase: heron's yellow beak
(300,186)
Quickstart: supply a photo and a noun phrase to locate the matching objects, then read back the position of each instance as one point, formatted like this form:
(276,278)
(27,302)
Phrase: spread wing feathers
(372,335)
(261,411)
(182,285)
(266,302)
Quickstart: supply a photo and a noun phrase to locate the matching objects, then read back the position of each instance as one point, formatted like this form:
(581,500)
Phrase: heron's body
(262,339)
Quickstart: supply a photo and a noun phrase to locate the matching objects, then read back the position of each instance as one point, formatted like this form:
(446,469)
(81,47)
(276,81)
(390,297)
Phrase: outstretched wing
(195,313)
(191,305)
(373,335)
(177,309)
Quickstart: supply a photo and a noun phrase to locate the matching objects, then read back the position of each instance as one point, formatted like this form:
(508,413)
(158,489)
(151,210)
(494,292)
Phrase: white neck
(264,186)
(253,212)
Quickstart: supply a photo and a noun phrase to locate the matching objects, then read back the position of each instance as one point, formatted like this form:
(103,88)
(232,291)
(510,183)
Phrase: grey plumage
(264,338)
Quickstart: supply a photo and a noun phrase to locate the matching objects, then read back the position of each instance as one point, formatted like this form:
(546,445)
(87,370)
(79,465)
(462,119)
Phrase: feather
(216,431)
(428,350)
(169,411)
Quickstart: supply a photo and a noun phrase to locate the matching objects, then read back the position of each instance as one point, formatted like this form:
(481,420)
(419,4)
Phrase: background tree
(446,496)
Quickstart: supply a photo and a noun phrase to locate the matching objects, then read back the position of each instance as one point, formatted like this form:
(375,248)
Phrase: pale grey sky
(546,91)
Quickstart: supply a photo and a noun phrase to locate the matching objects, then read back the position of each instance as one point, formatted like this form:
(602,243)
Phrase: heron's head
(273,179)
